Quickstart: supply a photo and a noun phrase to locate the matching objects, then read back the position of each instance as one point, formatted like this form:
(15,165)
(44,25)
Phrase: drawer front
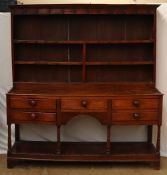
(135,103)
(83,104)
(31,117)
(33,103)
(134,116)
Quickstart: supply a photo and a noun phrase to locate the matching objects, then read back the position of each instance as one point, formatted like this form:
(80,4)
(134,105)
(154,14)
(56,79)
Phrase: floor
(39,168)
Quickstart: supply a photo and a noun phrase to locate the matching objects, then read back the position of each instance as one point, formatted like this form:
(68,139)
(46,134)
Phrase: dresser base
(84,152)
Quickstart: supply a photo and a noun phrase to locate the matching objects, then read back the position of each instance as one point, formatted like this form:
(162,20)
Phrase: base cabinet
(109,111)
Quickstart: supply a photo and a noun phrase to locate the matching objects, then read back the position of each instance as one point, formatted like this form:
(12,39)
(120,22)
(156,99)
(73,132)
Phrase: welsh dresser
(98,60)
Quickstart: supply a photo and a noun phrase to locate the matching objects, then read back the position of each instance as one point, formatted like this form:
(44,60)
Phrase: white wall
(162,69)
(5,74)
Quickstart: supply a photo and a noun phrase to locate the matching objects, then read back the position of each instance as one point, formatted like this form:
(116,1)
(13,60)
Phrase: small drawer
(133,103)
(135,116)
(84,104)
(33,103)
(31,117)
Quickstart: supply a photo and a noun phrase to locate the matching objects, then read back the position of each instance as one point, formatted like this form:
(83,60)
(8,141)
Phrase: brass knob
(84,103)
(32,102)
(136,115)
(33,116)
(136,103)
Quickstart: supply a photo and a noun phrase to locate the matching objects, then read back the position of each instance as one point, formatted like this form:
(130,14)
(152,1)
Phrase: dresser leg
(17,132)
(9,138)
(156,165)
(149,134)
(158,139)
(11,163)
(108,149)
(58,140)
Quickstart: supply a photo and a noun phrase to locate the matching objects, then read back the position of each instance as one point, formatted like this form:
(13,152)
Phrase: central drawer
(33,104)
(84,104)
(32,117)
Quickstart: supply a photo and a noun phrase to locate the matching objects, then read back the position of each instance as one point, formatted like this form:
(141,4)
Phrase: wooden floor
(47,168)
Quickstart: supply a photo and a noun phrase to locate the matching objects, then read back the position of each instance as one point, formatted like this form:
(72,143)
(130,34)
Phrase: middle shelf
(89,63)
(83,41)
(75,52)
(84,61)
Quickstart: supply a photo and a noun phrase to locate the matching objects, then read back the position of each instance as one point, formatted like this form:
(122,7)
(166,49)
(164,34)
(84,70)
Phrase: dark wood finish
(17,132)
(9,138)
(58,147)
(84,104)
(83,42)
(29,117)
(77,151)
(135,115)
(149,134)
(133,103)
(98,60)
(33,103)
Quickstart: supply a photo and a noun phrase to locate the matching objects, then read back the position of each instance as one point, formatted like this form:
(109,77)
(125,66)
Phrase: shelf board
(48,62)
(46,42)
(85,151)
(120,42)
(120,63)
(83,42)
(91,63)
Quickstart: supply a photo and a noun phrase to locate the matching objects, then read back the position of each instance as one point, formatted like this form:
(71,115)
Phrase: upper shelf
(87,63)
(83,42)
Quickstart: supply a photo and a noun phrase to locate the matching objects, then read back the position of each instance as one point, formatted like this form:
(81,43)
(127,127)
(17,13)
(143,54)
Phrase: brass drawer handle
(136,115)
(33,102)
(136,103)
(84,103)
(33,116)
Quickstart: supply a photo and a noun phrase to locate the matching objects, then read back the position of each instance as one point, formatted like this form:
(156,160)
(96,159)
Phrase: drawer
(133,103)
(135,116)
(84,104)
(33,103)
(31,117)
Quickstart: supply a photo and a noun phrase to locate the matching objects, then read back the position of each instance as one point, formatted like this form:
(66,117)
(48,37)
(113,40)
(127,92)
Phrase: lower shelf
(85,151)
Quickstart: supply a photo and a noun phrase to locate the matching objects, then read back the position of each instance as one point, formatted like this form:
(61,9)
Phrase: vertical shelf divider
(58,103)
(84,63)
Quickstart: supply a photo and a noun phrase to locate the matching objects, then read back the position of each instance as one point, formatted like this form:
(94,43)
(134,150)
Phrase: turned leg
(11,163)
(156,165)
(58,151)
(58,140)
(108,148)
(158,139)
(17,132)
(9,138)
(149,134)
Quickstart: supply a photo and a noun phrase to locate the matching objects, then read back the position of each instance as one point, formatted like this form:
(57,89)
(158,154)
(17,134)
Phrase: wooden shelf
(48,62)
(91,63)
(83,42)
(46,42)
(88,151)
(119,63)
